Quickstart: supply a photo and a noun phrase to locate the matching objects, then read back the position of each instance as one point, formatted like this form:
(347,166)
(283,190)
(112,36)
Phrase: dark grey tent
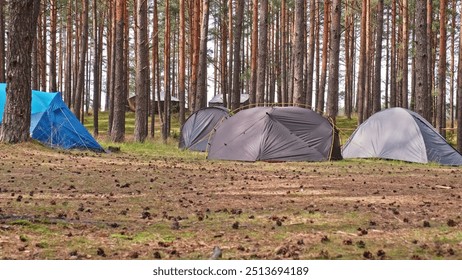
(275,134)
(217,100)
(400,134)
(195,132)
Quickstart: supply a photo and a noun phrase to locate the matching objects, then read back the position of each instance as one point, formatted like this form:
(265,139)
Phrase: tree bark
(362,64)
(201,92)
(236,94)
(17,111)
(311,51)
(82,59)
(393,67)
(254,54)
(53,50)
(421,90)
(68,64)
(377,96)
(262,52)
(459,96)
(299,54)
(405,44)
(441,98)
(2,41)
(182,65)
(167,93)
(332,100)
(118,123)
(142,73)
(325,44)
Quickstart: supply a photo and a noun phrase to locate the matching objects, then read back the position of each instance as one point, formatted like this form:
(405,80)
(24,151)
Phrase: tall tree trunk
(405,44)
(167,93)
(17,111)
(2,41)
(182,65)
(236,94)
(53,34)
(68,64)
(254,54)
(459,95)
(452,64)
(441,98)
(82,58)
(421,90)
(118,123)
(224,52)
(429,94)
(262,52)
(377,96)
(96,69)
(195,49)
(362,64)
(142,73)
(335,31)
(311,50)
(299,54)
(43,49)
(393,66)
(155,80)
(284,89)
(201,92)
(325,44)
(231,55)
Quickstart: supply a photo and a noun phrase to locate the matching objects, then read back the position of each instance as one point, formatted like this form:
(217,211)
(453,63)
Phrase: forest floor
(82,205)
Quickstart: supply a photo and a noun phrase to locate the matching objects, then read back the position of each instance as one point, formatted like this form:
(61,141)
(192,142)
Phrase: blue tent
(53,124)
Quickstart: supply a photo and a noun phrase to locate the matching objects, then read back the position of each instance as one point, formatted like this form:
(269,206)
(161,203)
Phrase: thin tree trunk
(325,44)
(441,98)
(235,98)
(53,34)
(421,68)
(182,65)
(254,54)
(2,41)
(195,49)
(393,67)
(142,73)
(81,73)
(377,97)
(224,57)
(452,66)
(155,82)
(262,53)
(429,94)
(299,54)
(362,65)
(96,69)
(311,51)
(459,95)
(283,50)
(405,44)
(201,92)
(167,93)
(68,64)
(332,96)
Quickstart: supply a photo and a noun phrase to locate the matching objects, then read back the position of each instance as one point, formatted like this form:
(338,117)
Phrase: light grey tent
(400,134)
(275,134)
(196,131)
(217,100)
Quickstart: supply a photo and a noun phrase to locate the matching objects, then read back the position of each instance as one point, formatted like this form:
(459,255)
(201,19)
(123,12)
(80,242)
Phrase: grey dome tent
(217,100)
(196,130)
(400,134)
(275,134)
